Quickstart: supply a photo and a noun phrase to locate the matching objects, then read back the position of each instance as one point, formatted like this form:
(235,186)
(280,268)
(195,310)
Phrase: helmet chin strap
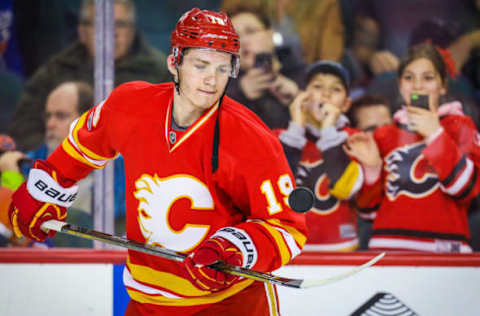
(177,82)
(216,132)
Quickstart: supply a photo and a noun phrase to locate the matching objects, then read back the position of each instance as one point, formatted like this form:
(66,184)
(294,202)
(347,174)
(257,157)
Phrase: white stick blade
(321,282)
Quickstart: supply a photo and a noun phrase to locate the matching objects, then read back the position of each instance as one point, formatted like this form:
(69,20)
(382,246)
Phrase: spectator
(313,145)
(309,28)
(397,19)
(465,49)
(260,85)
(364,58)
(368,113)
(11,178)
(442,34)
(134,60)
(64,104)
(44,28)
(421,172)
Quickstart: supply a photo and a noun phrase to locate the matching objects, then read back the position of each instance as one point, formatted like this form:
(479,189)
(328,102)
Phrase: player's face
(203,77)
(420,76)
(327,88)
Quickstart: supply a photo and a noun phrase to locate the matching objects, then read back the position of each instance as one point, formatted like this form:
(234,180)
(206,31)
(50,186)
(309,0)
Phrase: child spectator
(368,113)
(313,145)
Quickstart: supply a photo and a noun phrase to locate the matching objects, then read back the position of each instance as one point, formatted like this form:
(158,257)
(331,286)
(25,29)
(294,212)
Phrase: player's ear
(171,65)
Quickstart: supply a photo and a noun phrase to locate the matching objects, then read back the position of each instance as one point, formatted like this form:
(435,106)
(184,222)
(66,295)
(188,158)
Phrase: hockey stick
(86,233)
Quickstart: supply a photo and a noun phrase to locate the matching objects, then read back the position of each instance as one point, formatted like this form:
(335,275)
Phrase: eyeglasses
(118,24)
(60,116)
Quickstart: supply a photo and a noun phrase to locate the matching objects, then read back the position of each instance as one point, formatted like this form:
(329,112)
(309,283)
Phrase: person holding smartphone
(261,84)
(421,172)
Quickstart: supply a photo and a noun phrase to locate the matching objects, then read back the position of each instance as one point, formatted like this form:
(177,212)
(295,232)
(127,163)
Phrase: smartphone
(264,60)
(419,100)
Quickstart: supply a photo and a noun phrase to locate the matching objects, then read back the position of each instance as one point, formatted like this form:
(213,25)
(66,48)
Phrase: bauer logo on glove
(45,196)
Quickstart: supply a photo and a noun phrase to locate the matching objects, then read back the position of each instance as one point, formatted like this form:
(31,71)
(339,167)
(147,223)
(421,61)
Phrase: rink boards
(88,282)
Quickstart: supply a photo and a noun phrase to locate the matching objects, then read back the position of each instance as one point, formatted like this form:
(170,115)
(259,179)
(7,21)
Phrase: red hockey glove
(210,251)
(46,195)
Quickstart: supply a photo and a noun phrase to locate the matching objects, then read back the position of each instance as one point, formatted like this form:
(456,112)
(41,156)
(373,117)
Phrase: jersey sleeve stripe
(455,172)
(281,243)
(299,238)
(462,180)
(470,186)
(71,151)
(74,139)
(292,243)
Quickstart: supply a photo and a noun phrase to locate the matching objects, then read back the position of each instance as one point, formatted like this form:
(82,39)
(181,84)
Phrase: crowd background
(45,43)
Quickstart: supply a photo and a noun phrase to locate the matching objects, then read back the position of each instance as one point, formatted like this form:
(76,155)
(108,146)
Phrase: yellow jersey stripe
(166,280)
(344,186)
(74,154)
(300,238)
(206,299)
(83,149)
(280,242)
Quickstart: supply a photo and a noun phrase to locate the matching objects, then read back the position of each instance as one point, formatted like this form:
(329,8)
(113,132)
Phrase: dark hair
(440,32)
(258,11)
(85,96)
(365,101)
(329,67)
(424,50)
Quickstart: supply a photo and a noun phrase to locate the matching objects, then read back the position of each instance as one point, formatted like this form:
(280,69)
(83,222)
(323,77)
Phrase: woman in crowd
(421,172)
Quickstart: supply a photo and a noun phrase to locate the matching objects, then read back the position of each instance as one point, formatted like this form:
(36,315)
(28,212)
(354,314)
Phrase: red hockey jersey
(173,200)
(333,177)
(331,222)
(425,189)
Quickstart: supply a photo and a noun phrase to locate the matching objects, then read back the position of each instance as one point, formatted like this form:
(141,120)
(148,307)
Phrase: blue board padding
(120,295)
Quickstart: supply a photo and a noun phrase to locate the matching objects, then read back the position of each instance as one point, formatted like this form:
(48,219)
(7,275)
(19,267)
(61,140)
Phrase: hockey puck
(301,199)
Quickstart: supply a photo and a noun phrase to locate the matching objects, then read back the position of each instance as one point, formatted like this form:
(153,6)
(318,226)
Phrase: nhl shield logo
(172,137)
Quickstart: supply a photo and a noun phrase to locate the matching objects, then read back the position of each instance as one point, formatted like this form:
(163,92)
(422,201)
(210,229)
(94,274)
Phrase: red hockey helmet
(206,29)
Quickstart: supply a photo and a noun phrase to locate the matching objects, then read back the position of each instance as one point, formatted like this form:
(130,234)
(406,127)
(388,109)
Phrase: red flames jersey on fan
(173,199)
(426,188)
(331,222)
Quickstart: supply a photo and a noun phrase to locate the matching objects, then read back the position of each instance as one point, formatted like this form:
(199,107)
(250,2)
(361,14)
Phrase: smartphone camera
(419,100)
(264,61)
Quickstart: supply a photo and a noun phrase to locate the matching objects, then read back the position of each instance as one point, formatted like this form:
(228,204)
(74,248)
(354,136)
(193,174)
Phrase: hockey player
(313,144)
(203,176)
(422,171)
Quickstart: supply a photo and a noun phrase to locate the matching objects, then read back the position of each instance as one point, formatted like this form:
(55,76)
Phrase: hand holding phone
(419,101)
(264,61)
